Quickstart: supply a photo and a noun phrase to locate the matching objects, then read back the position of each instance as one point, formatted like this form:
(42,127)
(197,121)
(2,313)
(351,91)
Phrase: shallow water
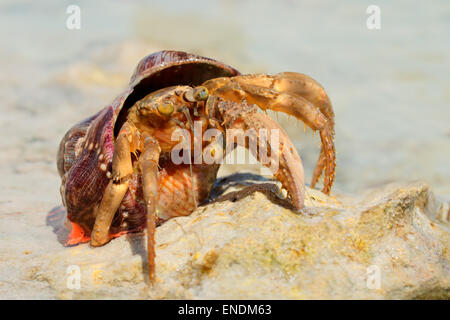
(390,88)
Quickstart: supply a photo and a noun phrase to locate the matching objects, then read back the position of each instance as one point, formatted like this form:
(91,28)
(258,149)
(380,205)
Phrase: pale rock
(250,244)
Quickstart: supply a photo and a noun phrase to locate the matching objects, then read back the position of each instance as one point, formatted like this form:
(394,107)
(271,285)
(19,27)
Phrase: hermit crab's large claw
(268,143)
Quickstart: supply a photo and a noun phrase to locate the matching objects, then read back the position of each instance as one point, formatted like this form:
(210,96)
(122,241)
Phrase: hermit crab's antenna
(191,123)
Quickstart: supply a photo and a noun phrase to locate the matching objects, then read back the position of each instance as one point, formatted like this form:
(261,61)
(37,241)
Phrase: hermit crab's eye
(189,95)
(140,105)
(201,93)
(165,108)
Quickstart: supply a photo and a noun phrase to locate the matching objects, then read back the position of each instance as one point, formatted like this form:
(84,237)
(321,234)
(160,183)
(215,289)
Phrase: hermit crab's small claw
(267,142)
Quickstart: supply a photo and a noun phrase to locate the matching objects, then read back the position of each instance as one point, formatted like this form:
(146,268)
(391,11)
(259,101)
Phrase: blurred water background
(390,88)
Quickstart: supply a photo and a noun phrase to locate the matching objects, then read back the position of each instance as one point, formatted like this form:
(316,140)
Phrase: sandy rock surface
(249,243)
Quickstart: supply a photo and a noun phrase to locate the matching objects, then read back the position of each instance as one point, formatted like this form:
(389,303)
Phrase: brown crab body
(117,170)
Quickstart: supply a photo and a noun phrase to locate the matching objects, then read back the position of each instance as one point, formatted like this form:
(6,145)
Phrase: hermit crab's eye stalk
(165,108)
(200,93)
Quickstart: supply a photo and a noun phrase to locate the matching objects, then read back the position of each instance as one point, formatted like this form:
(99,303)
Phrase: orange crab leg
(311,90)
(293,83)
(320,165)
(237,89)
(289,170)
(149,167)
(304,86)
(115,190)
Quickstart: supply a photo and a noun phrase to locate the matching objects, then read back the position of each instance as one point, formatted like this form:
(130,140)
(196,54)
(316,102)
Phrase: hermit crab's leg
(311,90)
(312,116)
(292,104)
(149,167)
(116,188)
(274,150)
(320,165)
(293,83)
(304,86)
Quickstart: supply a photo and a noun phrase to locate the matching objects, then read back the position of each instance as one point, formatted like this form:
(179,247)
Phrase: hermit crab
(118,169)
